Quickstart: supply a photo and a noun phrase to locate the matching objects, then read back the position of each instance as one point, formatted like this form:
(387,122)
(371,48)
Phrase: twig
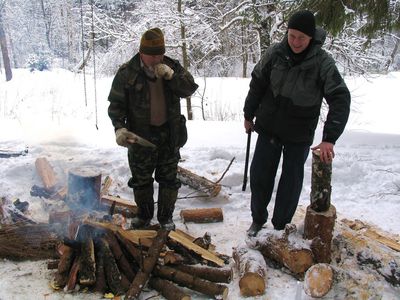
(223,174)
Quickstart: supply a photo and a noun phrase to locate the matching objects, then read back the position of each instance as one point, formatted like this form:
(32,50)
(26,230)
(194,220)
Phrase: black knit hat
(152,42)
(303,21)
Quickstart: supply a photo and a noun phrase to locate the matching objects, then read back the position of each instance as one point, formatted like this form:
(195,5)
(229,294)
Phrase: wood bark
(319,226)
(112,274)
(209,273)
(202,215)
(123,264)
(318,280)
(169,290)
(197,284)
(252,271)
(280,249)
(46,173)
(101,283)
(149,262)
(321,174)
(23,241)
(73,275)
(198,183)
(87,269)
(83,188)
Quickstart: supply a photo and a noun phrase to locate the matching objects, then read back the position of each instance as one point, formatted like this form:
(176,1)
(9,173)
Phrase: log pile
(105,258)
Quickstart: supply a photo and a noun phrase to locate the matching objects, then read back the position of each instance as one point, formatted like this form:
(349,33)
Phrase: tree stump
(318,226)
(83,188)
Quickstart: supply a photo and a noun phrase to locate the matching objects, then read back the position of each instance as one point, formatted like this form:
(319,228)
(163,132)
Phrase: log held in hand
(320,183)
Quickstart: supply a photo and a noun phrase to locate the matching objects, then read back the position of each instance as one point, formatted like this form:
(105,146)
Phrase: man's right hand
(248,126)
(124,137)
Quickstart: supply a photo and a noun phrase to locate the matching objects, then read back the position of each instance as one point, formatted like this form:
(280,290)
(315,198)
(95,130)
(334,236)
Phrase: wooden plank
(184,241)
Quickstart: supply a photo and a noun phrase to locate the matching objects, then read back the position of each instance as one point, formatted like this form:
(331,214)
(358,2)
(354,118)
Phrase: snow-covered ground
(46,112)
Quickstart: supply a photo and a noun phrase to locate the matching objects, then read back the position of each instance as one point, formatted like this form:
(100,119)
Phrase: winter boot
(166,206)
(254,229)
(145,203)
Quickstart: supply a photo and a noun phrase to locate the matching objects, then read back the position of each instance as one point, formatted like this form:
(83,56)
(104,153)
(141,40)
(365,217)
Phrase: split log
(318,280)
(197,284)
(64,266)
(83,188)
(278,248)
(320,226)
(28,242)
(209,273)
(87,270)
(372,233)
(106,186)
(149,262)
(169,290)
(199,183)
(202,215)
(46,173)
(73,275)
(203,242)
(252,271)
(197,249)
(321,188)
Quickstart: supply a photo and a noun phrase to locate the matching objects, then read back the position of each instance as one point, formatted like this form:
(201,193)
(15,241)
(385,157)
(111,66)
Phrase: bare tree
(3,45)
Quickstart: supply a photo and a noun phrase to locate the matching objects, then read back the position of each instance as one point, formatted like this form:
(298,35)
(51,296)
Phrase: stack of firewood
(107,259)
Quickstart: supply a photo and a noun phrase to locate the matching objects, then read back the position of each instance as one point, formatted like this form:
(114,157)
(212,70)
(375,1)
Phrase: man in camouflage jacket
(285,97)
(145,104)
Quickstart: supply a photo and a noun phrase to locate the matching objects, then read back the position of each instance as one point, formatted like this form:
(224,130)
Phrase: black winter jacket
(286,97)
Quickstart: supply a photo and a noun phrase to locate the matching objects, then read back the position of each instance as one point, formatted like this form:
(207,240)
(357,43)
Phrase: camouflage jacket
(130,99)
(286,97)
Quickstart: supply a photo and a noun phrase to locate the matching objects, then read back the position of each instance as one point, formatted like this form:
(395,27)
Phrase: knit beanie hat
(152,42)
(303,21)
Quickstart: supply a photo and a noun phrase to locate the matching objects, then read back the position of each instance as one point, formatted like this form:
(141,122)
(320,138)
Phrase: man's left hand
(326,151)
(163,71)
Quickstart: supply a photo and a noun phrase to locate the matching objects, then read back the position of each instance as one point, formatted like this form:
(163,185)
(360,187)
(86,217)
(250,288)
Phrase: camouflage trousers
(161,161)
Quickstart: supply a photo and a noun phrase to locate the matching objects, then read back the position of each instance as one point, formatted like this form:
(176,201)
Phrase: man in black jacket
(145,107)
(285,97)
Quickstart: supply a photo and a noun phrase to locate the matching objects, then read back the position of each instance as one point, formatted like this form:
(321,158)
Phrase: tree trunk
(252,271)
(4,51)
(185,59)
(319,226)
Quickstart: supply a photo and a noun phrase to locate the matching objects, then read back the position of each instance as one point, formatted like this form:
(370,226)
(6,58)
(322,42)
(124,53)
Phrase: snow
(46,112)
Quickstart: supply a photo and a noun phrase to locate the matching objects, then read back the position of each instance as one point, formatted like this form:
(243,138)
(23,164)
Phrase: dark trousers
(263,171)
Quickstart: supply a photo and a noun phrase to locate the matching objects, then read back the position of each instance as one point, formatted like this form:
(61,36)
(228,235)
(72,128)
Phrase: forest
(211,38)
